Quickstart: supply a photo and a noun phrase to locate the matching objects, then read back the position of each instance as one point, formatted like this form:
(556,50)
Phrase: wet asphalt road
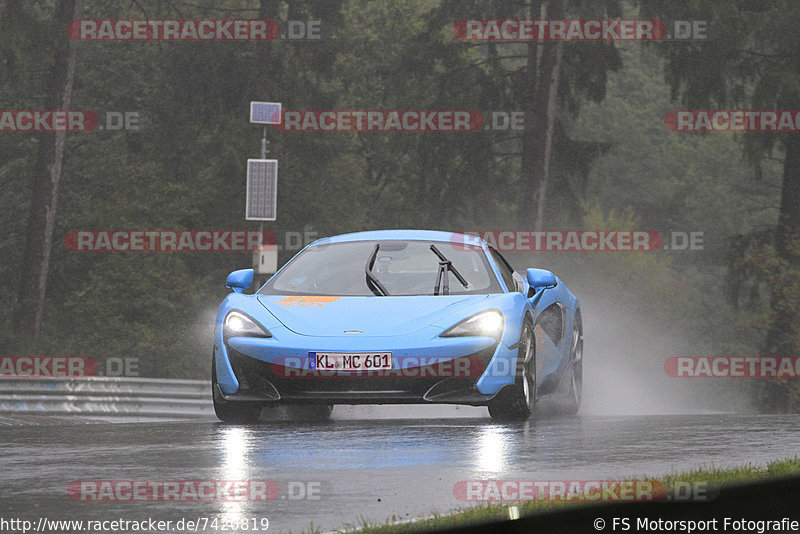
(358,466)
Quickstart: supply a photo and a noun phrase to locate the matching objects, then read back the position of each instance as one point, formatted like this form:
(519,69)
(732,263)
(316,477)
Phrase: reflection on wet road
(336,473)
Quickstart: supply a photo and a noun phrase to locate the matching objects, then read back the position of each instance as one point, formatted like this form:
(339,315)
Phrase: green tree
(749,61)
(47,175)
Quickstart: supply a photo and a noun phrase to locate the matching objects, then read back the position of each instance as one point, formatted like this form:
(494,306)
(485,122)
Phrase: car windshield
(401,268)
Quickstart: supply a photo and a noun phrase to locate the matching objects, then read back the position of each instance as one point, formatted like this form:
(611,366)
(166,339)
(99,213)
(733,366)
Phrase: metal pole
(264,152)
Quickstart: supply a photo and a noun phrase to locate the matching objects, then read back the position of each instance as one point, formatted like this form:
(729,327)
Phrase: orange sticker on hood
(306,301)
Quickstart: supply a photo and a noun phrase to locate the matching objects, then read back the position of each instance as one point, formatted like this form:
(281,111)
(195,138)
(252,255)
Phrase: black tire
(309,412)
(231,412)
(571,394)
(518,402)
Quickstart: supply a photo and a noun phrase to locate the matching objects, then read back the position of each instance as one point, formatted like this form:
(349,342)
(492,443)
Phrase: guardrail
(110,396)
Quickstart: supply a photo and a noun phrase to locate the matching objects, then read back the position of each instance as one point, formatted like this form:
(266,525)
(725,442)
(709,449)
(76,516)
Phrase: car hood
(368,316)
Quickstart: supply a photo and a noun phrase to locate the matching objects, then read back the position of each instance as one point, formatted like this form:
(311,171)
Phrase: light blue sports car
(394,317)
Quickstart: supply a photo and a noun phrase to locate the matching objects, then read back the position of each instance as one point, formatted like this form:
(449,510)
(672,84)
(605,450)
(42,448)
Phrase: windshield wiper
(445,266)
(373,283)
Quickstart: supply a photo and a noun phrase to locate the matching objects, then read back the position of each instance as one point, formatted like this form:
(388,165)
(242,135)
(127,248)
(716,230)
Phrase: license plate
(349,361)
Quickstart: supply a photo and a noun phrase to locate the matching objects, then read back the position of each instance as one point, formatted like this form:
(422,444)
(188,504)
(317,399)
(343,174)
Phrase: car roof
(403,235)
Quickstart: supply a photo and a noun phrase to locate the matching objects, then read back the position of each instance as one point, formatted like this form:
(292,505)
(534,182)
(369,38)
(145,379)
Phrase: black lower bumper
(272,384)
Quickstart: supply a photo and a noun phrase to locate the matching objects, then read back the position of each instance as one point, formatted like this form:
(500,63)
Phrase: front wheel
(231,412)
(572,385)
(517,403)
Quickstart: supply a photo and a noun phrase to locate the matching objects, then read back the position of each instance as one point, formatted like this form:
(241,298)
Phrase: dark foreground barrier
(763,507)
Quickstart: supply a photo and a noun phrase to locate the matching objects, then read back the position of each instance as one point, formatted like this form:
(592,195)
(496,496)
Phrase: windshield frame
(495,286)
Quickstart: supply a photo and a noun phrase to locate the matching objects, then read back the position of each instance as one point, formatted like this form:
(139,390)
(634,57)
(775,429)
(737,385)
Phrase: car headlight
(237,324)
(488,323)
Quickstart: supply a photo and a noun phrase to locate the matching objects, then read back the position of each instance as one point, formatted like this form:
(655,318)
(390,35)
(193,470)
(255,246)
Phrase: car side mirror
(540,279)
(240,280)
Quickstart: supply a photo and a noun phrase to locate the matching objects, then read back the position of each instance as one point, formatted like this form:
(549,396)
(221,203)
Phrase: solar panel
(265,112)
(262,189)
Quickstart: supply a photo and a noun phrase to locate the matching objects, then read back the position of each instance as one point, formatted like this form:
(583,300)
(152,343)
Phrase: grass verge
(487,512)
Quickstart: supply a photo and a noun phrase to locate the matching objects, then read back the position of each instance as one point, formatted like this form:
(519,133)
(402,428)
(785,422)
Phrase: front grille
(398,385)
